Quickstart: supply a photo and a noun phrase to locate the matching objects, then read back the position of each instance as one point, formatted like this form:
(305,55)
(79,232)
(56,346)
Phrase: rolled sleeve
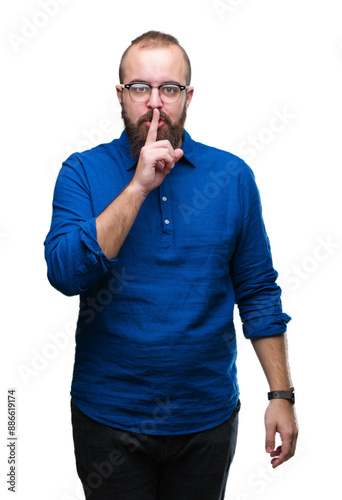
(74,258)
(253,276)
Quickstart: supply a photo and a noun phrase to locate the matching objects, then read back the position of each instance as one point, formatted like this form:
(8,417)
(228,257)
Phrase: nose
(154,100)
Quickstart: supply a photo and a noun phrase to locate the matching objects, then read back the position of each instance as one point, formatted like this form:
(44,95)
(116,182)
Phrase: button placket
(166,217)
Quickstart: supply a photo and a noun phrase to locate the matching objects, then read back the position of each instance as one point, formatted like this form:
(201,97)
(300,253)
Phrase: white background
(252,60)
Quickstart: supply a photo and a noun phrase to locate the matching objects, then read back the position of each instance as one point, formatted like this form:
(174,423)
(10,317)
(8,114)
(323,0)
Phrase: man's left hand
(280,417)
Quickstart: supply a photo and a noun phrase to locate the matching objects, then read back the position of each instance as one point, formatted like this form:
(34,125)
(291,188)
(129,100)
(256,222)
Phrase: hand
(280,417)
(156,160)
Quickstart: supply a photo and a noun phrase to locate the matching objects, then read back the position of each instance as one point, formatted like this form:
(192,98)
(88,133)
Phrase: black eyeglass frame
(129,85)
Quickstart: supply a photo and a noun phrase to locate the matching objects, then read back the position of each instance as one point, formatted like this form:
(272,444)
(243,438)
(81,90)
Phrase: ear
(119,93)
(189,94)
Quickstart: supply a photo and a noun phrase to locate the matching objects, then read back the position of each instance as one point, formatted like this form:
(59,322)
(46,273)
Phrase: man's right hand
(156,160)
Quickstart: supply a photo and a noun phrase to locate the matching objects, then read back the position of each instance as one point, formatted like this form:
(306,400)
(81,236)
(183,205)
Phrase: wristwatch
(289,395)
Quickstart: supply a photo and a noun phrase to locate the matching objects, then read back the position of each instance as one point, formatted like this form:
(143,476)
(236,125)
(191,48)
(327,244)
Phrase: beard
(137,132)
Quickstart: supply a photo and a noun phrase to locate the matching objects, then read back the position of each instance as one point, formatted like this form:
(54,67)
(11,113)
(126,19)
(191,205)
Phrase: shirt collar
(129,162)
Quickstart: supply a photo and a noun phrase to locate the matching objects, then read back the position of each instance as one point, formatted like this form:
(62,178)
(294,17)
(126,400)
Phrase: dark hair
(155,39)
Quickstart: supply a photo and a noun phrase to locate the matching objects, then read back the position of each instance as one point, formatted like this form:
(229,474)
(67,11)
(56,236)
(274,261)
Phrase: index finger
(152,132)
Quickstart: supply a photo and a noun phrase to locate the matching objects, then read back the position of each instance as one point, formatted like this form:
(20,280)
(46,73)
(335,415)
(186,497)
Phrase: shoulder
(95,161)
(218,159)
(102,151)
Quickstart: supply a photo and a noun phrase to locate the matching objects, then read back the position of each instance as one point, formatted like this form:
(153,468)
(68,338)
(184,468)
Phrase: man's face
(154,66)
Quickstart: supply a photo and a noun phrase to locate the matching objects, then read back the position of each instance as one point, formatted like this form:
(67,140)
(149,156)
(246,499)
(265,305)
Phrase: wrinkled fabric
(155,340)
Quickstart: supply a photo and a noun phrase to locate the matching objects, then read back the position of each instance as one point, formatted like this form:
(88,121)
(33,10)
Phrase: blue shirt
(155,341)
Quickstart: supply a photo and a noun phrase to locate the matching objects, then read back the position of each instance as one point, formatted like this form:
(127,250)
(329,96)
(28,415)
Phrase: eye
(170,89)
(140,88)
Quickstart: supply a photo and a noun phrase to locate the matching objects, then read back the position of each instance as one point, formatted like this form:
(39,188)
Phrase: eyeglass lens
(141,93)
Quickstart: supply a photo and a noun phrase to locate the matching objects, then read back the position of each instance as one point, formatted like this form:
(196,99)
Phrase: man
(160,235)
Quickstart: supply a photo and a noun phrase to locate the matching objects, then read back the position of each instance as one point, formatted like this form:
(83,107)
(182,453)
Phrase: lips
(160,123)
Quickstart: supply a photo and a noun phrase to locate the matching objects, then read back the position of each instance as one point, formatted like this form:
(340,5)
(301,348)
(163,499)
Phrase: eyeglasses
(141,92)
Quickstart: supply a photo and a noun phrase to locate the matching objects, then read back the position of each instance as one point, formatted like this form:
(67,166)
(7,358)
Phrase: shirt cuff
(265,326)
(89,239)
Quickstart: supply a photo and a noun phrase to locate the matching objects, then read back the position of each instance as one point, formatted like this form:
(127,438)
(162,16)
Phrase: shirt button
(164,198)
(167,221)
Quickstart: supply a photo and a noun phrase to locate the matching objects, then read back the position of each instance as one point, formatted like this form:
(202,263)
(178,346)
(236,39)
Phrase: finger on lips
(171,155)
(152,131)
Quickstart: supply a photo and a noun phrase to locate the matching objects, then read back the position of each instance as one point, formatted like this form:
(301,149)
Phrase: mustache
(148,117)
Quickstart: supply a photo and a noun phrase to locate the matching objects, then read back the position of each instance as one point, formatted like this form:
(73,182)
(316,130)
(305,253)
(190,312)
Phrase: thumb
(178,154)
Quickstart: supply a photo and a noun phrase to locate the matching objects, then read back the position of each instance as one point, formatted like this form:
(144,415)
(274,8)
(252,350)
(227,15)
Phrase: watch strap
(289,395)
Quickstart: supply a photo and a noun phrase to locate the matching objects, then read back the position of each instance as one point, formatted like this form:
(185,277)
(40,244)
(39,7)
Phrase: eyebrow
(164,83)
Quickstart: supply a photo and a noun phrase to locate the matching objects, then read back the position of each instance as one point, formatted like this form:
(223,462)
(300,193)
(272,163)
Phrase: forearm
(273,357)
(115,222)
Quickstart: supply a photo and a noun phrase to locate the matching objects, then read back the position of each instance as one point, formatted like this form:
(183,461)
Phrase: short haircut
(154,40)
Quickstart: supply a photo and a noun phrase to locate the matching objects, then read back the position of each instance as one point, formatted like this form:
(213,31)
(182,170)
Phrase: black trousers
(120,465)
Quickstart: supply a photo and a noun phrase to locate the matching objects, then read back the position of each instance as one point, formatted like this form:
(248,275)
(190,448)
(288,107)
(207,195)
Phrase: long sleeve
(253,276)
(162,314)
(74,258)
